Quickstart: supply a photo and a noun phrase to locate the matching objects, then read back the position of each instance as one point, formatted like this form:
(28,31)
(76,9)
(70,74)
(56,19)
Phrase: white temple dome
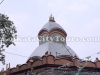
(52,47)
(51,25)
(55,49)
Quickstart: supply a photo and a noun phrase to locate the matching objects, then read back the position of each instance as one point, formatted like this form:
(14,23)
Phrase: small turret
(51,19)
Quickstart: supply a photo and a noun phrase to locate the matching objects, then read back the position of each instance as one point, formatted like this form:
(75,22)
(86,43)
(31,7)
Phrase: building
(53,56)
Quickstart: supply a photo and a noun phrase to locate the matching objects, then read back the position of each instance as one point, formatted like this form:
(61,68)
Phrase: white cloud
(21,16)
(94,2)
(63,6)
(62,21)
(78,7)
(19,19)
(50,5)
(57,4)
(91,28)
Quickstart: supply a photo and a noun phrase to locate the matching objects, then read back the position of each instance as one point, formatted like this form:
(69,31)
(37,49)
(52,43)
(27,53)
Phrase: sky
(79,18)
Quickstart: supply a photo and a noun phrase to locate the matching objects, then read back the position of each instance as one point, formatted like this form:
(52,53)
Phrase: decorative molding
(50,59)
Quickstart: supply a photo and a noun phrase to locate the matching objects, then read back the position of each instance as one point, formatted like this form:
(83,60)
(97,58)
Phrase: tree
(0,73)
(7,35)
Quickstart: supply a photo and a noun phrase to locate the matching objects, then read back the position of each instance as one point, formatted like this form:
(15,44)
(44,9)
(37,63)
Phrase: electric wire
(28,57)
(15,54)
(1,2)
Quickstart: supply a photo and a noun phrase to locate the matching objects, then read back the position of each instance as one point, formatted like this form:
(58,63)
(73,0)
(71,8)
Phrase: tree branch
(1,1)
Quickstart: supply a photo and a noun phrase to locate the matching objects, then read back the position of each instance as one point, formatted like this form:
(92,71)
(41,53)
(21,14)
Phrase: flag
(98,53)
(88,57)
(80,60)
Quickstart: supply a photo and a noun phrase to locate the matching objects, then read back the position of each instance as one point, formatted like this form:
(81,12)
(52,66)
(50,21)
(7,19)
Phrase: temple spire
(51,19)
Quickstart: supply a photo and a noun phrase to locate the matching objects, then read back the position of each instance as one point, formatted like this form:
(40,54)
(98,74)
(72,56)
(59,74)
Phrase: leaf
(7,33)
(2,46)
(14,44)
(88,57)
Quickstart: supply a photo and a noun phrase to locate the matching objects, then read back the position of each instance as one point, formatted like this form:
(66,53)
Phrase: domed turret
(52,40)
(52,31)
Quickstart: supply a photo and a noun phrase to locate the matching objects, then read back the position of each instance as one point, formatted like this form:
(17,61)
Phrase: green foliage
(0,73)
(7,34)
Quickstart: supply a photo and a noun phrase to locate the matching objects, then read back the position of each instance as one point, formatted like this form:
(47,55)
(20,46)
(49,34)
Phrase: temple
(52,41)
(53,56)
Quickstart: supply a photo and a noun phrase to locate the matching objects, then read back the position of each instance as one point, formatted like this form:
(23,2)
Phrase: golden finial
(51,18)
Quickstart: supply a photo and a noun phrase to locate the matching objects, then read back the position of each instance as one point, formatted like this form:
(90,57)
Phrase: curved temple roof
(52,25)
(56,49)
(53,48)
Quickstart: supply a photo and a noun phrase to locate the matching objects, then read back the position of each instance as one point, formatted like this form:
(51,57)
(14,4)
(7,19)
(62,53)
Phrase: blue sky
(79,18)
